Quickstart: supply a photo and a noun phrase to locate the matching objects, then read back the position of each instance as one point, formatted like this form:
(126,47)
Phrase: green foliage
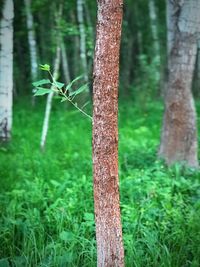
(45,67)
(42,91)
(46,199)
(66,93)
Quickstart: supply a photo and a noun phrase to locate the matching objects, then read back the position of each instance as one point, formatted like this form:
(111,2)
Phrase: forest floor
(46,200)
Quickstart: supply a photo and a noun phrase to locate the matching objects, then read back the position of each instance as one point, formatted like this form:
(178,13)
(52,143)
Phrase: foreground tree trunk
(179,133)
(105,134)
(6,70)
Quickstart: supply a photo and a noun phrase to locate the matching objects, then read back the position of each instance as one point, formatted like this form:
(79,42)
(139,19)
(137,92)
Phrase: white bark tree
(154,28)
(6,69)
(65,64)
(49,100)
(83,52)
(179,133)
(31,40)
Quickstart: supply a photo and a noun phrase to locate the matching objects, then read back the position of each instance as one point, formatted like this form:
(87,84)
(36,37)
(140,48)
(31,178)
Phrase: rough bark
(179,133)
(105,134)
(6,70)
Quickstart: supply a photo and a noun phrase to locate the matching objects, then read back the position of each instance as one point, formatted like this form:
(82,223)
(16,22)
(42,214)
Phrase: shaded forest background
(139,58)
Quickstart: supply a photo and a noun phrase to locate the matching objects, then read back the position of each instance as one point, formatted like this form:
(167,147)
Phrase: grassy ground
(46,200)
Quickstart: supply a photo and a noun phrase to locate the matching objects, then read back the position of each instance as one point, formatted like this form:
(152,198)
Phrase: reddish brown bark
(105,134)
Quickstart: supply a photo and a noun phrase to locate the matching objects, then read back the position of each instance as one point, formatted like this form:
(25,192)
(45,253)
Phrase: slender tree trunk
(75,70)
(65,64)
(6,70)
(105,134)
(91,37)
(49,100)
(82,39)
(154,28)
(32,42)
(179,133)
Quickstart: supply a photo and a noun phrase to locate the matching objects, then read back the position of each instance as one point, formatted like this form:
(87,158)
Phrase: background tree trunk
(65,64)
(49,100)
(6,70)
(31,40)
(82,39)
(179,133)
(105,134)
(154,28)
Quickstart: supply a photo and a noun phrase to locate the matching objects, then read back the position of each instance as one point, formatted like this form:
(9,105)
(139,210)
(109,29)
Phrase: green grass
(46,199)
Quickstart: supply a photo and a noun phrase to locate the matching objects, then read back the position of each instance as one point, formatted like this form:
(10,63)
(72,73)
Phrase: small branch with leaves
(64,91)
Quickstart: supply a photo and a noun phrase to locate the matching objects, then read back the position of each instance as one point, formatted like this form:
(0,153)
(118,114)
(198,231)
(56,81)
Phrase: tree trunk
(105,134)
(154,28)
(49,101)
(65,64)
(82,39)
(6,70)
(32,42)
(179,133)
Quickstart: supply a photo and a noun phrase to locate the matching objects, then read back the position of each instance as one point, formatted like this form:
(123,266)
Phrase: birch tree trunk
(154,28)
(105,134)
(49,101)
(6,70)
(82,39)
(65,64)
(179,133)
(31,40)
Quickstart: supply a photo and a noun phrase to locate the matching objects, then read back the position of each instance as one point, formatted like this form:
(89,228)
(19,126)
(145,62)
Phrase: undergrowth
(46,199)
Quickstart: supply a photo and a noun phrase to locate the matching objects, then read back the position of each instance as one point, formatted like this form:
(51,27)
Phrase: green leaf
(45,67)
(80,90)
(42,91)
(63,99)
(58,84)
(41,82)
(72,82)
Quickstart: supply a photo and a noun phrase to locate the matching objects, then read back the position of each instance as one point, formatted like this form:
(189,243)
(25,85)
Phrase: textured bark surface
(105,134)
(6,70)
(179,133)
